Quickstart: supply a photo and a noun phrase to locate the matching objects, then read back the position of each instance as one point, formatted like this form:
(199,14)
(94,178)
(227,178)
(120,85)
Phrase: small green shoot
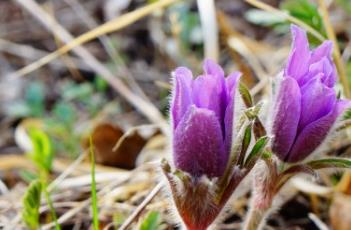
(151,221)
(31,205)
(93,187)
(42,154)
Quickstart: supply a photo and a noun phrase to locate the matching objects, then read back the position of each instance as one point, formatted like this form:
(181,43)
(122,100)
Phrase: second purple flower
(306,106)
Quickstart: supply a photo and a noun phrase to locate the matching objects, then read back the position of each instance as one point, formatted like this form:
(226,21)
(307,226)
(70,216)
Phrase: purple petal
(326,67)
(312,136)
(286,116)
(324,50)
(209,92)
(231,83)
(317,101)
(299,58)
(181,94)
(198,144)
(212,68)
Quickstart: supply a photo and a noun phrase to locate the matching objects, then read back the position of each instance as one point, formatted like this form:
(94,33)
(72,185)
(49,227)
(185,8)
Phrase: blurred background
(114,85)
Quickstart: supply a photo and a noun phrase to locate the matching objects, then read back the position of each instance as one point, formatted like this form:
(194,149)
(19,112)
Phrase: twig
(148,109)
(337,54)
(141,207)
(208,19)
(32,54)
(110,26)
(108,45)
(65,173)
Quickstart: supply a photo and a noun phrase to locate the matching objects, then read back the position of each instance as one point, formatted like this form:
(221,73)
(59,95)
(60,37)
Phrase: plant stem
(51,207)
(93,187)
(43,179)
(255,219)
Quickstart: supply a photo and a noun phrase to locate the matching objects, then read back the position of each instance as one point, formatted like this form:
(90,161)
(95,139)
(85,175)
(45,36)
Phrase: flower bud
(202,119)
(306,106)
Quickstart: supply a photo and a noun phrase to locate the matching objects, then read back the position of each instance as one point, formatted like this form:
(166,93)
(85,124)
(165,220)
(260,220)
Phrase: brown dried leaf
(105,136)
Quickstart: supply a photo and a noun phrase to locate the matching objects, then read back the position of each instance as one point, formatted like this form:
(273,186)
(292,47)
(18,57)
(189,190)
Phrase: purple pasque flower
(306,106)
(202,119)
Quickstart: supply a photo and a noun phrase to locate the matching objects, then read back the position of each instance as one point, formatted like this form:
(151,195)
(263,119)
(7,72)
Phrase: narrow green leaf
(93,187)
(245,144)
(151,222)
(330,163)
(256,152)
(245,94)
(31,205)
(292,171)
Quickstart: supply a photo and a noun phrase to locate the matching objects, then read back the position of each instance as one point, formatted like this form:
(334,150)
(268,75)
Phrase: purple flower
(202,119)
(306,106)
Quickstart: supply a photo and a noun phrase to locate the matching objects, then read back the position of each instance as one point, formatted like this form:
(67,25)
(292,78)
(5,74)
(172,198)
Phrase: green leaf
(42,154)
(261,17)
(151,221)
(245,94)
(256,152)
(31,205)
(330,163)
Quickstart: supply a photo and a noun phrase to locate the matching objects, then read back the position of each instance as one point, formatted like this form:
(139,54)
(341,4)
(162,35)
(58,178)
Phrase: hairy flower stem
(264,184)
(255,219)
(199,201)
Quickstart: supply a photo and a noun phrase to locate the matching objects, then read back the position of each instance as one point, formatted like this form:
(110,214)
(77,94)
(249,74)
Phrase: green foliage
(33,104)
(190,28)
(65,113)
(306,12)
(151,221)
(42,153)
(303,10)
(28,176)
(100,84)
(345,4)
(34,97)
(31,205)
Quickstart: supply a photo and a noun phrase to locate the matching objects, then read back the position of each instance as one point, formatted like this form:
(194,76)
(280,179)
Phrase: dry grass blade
(108,27)
(337,54)
(209,28)
(147,108)
(141,207)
